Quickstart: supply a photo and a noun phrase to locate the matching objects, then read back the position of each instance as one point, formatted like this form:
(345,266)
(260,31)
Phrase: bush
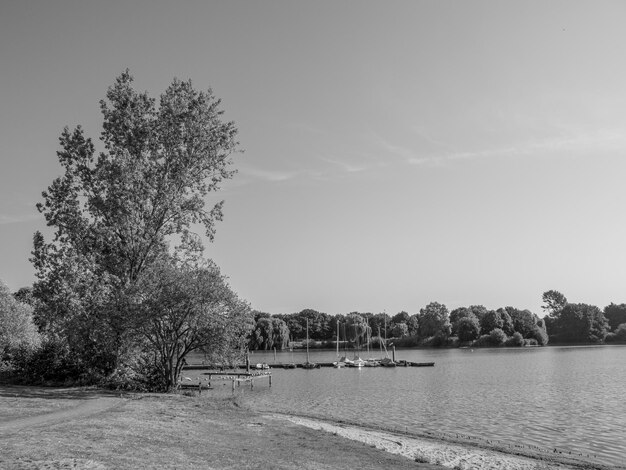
(52,362)
(407,342)
(530,342)
(620,332)
(497,337)
(540,335)
(515,340)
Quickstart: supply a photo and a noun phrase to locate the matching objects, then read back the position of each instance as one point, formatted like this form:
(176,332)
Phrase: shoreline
(460,452)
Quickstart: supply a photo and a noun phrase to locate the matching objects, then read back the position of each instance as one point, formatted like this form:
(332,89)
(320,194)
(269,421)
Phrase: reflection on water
(569,398)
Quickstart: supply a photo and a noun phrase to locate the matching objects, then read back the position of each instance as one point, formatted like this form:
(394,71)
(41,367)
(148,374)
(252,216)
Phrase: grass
(171,431)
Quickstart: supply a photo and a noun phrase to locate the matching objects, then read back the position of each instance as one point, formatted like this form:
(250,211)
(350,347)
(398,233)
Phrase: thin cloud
(268,175)
(348,167)
(600,140)
(6,219)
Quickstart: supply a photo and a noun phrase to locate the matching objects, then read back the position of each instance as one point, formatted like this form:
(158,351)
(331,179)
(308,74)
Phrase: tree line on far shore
(435,325)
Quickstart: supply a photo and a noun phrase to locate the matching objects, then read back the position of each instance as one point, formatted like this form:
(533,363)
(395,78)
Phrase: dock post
(393,352)
(247,361)
(233,385)
(270,380)
(251,383)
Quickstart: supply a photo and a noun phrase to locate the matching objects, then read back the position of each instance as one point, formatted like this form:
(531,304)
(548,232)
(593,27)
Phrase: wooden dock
(218,370)
(236,378)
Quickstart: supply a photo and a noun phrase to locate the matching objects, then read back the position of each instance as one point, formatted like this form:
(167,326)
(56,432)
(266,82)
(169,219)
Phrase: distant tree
(540,333)
(413,325)
(479,310)
(434,320)
(524,321)
(399,330)
(320,327)
(615,315)
(17,329)
(400,317)
(459,313)
(468,328)
(507,322)
(456,315)
(380,322)
(497,337)
(620,332)
(490,321)
(582,323)
(357,328)
(554,302)
(268,333)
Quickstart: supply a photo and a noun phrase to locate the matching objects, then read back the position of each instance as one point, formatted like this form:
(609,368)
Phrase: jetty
(236,378)
(221,368)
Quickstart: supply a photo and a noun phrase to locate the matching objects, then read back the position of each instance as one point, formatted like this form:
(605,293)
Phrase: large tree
(116,211)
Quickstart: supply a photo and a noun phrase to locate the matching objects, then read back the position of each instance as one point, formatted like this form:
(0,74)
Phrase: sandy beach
(454,455)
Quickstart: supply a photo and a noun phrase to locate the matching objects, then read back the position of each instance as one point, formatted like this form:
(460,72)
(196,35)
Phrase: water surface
(565,398)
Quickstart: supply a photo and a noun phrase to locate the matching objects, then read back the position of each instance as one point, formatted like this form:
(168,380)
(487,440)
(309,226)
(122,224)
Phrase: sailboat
(308,364)
(340,362)
(370,362)
(386,361)
(357,361)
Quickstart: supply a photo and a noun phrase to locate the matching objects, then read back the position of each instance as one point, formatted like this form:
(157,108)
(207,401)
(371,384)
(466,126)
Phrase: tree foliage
(17,329)
(554,302)
(117,210)
(467,328)
(490,321)
(582,323)
(434,320)
(268,333)
(188,308)
(615,315)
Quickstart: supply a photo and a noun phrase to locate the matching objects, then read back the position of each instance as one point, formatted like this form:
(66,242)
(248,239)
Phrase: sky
(394,153)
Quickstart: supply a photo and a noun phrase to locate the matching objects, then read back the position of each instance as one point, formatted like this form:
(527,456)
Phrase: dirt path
(85,408)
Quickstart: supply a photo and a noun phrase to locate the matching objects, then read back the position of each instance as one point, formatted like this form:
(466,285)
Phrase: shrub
(17,329)
(530,342)
(52,362)
(497,337)
(407,342)
(618,336)
(515,340)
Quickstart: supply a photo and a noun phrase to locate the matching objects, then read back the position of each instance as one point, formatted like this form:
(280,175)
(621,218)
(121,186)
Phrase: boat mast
(307,340)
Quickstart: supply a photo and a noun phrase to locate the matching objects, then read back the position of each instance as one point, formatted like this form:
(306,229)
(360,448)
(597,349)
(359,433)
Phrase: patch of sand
(450,455)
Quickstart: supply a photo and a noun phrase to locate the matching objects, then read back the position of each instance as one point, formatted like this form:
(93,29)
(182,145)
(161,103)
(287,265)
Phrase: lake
(568,398)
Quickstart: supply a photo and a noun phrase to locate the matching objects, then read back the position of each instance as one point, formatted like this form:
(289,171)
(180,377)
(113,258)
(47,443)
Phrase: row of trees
(122,289)
(564,322)
(433,325)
